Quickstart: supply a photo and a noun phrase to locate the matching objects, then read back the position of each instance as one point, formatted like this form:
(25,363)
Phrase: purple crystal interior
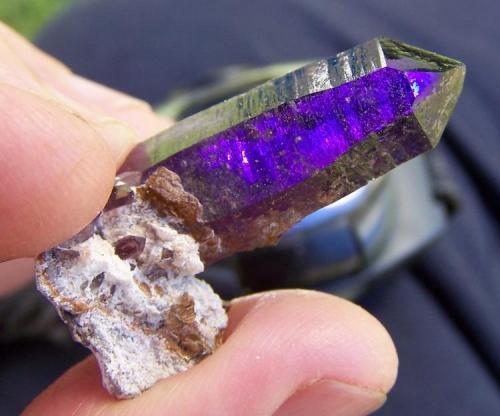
(268,154)
(261,161)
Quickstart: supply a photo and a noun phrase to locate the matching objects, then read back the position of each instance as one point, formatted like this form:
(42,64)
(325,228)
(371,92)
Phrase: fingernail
(327,397)
(119,137)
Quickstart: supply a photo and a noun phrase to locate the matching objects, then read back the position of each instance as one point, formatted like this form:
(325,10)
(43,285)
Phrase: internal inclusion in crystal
(284,146)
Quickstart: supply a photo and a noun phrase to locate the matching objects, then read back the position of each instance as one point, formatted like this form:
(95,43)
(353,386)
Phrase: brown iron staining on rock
(145,288)
(261,225)
(127,289)
(164,191)
(181,332)
(76,306)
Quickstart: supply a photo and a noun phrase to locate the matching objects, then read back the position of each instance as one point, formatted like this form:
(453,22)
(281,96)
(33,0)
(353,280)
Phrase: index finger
(56,172)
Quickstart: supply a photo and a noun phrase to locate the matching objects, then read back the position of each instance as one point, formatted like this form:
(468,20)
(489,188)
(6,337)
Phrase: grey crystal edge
(315,77)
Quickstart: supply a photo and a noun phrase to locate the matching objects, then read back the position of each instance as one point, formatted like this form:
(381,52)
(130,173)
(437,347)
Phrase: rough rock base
(128,293)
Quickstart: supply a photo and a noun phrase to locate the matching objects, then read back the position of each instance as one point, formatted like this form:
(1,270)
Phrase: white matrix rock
(129,294)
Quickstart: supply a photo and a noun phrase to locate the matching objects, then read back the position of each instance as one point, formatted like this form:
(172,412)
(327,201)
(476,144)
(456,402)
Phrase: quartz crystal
(231,178)
(261,161)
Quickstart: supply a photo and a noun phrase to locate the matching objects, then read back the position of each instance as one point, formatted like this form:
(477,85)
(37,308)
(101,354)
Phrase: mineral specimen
(231,178)
(128,293)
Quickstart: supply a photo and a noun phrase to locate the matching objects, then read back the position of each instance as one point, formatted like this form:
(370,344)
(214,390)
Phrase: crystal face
(282,147)
(261,161)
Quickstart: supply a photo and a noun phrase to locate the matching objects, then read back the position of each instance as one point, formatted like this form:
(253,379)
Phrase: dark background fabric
(443,310)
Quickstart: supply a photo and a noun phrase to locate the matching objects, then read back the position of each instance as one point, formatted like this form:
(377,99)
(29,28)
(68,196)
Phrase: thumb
(286,353)
(56,170)
(331,397)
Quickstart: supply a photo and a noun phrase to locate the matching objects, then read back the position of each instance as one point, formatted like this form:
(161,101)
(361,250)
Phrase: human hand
(285,353)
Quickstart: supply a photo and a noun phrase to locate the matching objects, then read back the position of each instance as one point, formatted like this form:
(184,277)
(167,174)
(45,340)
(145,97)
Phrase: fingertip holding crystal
(263,160)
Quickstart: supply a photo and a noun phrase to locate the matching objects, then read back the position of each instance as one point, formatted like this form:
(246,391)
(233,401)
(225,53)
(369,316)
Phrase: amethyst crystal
(261,161)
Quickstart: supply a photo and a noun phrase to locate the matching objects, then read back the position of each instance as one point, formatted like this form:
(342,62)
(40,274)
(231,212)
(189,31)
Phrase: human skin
(287,353)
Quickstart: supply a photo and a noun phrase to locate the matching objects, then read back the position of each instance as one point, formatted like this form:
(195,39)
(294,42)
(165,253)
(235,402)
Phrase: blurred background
(28,16)
(434,279)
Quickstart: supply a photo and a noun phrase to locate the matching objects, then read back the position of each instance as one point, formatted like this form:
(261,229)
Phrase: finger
(278,343)
(26,68)
(137,113)
(56,171)
(40,62)
(82,92)
(14,274)
(13,71)
(331,398)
